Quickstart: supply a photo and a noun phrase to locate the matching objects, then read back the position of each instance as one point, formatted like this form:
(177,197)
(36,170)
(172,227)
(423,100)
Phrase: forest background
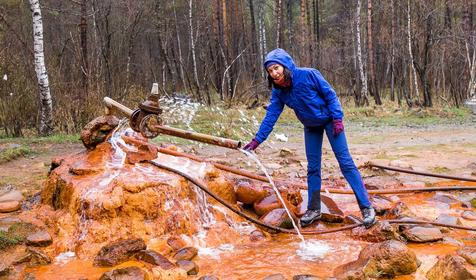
(413,54)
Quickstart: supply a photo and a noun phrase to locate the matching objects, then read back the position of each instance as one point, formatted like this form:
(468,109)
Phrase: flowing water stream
(308,249)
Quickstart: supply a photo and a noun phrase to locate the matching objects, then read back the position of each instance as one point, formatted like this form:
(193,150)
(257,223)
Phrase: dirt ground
(445,149)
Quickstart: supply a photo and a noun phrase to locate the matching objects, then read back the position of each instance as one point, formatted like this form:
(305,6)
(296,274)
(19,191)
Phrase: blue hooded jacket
(312,98)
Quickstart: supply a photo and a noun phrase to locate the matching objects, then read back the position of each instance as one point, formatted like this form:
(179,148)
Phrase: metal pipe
(112,104)
(205,138)
(420,173)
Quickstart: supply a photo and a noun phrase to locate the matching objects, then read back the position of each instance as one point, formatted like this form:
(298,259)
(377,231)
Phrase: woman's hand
(251,146)
(337,127)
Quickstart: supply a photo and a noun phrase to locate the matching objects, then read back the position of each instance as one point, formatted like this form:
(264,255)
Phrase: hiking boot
(368,215)
(310,217)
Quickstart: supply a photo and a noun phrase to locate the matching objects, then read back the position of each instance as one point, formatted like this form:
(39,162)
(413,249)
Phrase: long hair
(287,79)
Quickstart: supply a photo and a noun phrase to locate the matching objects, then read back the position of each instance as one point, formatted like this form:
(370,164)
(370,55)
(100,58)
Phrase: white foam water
(312,250)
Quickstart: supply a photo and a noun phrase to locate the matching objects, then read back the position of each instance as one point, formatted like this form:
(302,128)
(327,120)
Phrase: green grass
(57,138)
(440,169)
(9,154)
(15,235)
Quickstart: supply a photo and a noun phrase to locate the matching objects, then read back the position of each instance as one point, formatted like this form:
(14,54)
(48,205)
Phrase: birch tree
(364,94)
(46,106)
(373,79)
(410,52)
(192,45)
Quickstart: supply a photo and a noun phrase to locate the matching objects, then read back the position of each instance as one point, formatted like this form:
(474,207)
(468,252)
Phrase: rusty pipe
(254,176)
(191,135)
(371,164)
(205,138)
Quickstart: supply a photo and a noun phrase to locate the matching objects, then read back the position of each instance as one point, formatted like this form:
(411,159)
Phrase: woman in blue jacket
(317,106)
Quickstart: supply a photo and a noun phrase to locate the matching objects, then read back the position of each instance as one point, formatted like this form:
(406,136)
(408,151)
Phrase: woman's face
(276,71)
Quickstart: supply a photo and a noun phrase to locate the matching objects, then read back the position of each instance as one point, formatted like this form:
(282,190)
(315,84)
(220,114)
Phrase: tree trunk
(373,81)
(469,46)
(83,34)
(179,48)
(46,107)
(254,41)
(363,98)
(279,12)
(262,36)
(289,27)
(303,23)
(410,52)
(316,37)
(192,45)
(392,52)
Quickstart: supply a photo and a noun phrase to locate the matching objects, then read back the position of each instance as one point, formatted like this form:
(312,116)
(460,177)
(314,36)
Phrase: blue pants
(313,139)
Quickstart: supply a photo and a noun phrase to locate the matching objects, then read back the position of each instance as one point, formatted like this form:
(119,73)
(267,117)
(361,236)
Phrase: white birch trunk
(192,44)
(363,76)
(472,71)
(46,106)
(261,36)
(417,92)
(182,77)
(278,21)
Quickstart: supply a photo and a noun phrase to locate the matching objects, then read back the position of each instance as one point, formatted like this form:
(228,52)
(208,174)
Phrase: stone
(351,219)
(220,185)
(469,215)
(175,243)
(386,259)
(331,213)
(186,253)
(176,273)
(469,254)
(448,219)
(266,204)
(4,269)
(306,277)
(118,251)
(450,268)
(34,257)
(400,164)
(445,198)
(277,218)
(380,232)
(39,239)
(125,273)
(381,204)
(7,222)
(97,130)
(15,195)
(422,234)
(277,276)
(144,150)
(208,277)
(257,235)
(154,258)
(9,206)
(189,266)
(81,169)
(452,241)
(247,192)
(285,152)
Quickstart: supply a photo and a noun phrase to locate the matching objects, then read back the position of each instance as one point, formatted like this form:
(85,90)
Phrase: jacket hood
(280,56)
